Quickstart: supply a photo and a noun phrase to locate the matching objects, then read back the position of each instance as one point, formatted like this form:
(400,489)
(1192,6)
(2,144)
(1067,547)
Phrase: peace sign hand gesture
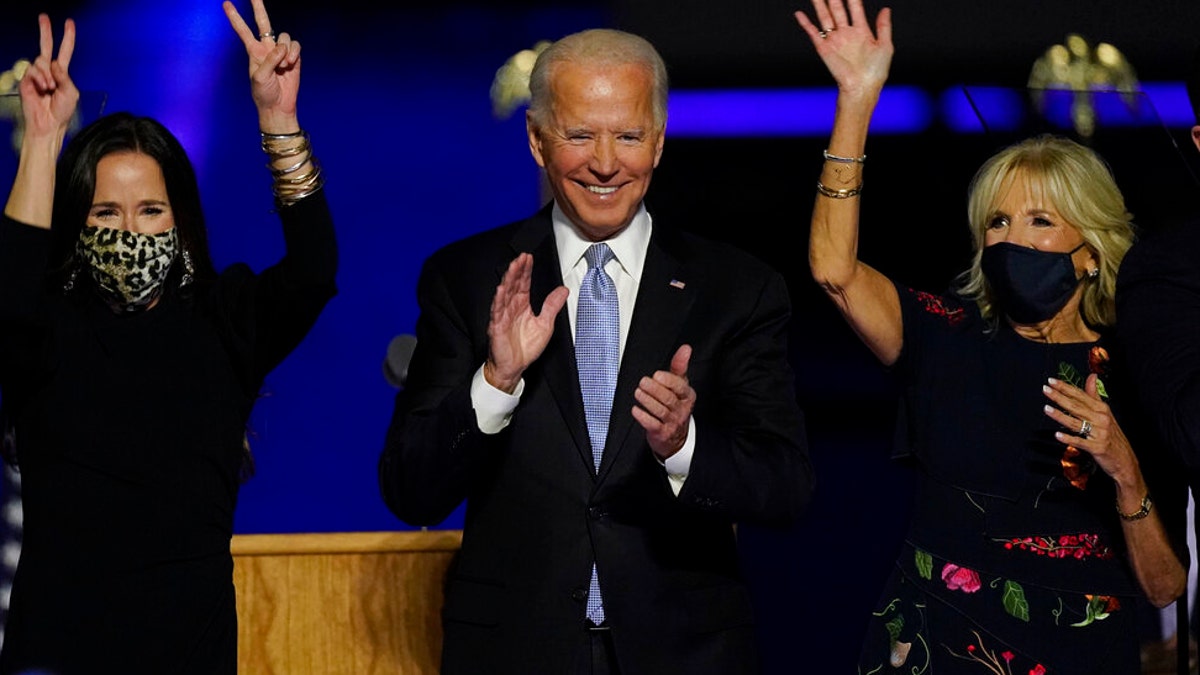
(48,96)
(274,69)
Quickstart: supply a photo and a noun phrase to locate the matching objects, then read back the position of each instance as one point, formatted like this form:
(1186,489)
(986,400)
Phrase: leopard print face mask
(129,268)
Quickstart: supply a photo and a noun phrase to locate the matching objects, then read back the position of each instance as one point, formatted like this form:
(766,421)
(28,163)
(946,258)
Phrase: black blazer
(1158,331)
(537,514)
(1158,320)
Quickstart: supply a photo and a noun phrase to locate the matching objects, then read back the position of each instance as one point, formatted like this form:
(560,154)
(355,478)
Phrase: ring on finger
(269,35)
(823,34)
(1085,428)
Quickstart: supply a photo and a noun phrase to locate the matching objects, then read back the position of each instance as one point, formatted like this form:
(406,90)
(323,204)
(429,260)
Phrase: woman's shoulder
(947,308)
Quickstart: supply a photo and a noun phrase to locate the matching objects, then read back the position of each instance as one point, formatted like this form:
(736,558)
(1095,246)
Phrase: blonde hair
(1080,186)
(597,47)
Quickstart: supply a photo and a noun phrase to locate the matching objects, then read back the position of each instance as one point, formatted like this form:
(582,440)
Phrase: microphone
(395,364)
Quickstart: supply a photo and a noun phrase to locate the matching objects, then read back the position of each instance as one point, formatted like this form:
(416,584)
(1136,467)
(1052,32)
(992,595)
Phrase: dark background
(396,99)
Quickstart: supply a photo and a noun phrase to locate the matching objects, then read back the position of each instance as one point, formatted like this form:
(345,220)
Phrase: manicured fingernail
(1051,380)
(1046,389)
(1047,409)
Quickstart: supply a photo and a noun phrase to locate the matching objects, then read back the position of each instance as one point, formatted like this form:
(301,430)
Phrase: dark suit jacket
(537,514)
(1158,331)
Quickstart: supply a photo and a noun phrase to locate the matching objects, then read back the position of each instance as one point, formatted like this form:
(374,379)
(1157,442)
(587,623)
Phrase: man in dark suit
(1158,330)
(599,531)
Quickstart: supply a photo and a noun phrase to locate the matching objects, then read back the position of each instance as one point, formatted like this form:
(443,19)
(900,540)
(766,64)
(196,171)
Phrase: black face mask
(1028,285)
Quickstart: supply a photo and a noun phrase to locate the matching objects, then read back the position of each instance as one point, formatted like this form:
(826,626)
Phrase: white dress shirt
(494,408)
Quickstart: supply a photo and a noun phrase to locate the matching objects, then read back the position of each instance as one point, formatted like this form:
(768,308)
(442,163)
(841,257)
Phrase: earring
(189,270)
(69,284)
(76,261)
(1093,273)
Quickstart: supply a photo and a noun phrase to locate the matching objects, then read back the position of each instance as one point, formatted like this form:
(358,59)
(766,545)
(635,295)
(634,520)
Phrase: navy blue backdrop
(401,120)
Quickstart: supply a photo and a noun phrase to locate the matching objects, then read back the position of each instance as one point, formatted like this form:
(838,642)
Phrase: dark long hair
(76,187)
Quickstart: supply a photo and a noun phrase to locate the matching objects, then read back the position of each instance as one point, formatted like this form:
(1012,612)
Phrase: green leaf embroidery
(894,626)
(1091,616)
(1100,388)
(924,563)
(1067,373)
(1095,611)
(1014,600)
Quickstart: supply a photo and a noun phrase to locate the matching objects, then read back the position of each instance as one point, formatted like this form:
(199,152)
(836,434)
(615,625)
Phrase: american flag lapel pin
(675,283)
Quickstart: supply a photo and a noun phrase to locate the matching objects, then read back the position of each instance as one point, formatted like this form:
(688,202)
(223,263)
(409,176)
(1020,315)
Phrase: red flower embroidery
(1098,360)
(936,304)
(1111,604)
(1039,669)
(983,655)
(1073,469)
(1078,546)
(960,578)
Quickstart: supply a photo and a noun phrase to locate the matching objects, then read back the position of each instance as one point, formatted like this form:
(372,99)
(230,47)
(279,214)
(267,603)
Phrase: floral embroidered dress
(1014,562)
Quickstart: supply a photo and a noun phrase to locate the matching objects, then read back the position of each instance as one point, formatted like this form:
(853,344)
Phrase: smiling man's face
(600,145)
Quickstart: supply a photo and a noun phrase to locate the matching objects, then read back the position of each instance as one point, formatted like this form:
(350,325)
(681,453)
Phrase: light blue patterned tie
(597,354)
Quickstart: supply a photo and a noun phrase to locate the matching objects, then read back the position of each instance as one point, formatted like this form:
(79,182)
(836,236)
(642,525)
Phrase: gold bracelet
(291,186)
(1140,513)
(282,137)
(838,194)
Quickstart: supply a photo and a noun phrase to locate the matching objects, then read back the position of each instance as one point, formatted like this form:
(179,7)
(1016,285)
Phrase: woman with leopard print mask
(129,367)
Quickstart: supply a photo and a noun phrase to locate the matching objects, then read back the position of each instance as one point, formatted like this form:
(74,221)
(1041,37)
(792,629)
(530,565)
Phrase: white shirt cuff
(493,407)
(679,464)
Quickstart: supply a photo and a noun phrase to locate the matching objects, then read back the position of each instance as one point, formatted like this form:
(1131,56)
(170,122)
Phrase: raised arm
(858,58)
(289,296)
(275,86)
(48,99)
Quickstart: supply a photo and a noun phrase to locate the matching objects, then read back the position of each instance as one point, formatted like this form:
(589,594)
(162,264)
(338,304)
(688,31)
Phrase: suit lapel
(557,362)
(662,304)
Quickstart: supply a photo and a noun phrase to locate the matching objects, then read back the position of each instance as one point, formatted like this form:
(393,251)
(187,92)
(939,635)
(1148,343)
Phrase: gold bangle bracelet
(1147,504)
(839,194)
(290,169)
(281,153)
(282,137)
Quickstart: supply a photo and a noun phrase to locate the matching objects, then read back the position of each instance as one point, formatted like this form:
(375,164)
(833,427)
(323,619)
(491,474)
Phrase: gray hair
(597,47)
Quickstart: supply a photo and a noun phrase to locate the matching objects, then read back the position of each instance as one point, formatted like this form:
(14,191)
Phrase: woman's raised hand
(48,96)
(857,57)
(274,69)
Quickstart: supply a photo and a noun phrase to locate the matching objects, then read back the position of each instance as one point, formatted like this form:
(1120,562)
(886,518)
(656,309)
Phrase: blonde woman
(1033,528)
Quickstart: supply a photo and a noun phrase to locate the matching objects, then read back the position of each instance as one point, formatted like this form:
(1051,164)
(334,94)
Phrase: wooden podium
(353,603)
